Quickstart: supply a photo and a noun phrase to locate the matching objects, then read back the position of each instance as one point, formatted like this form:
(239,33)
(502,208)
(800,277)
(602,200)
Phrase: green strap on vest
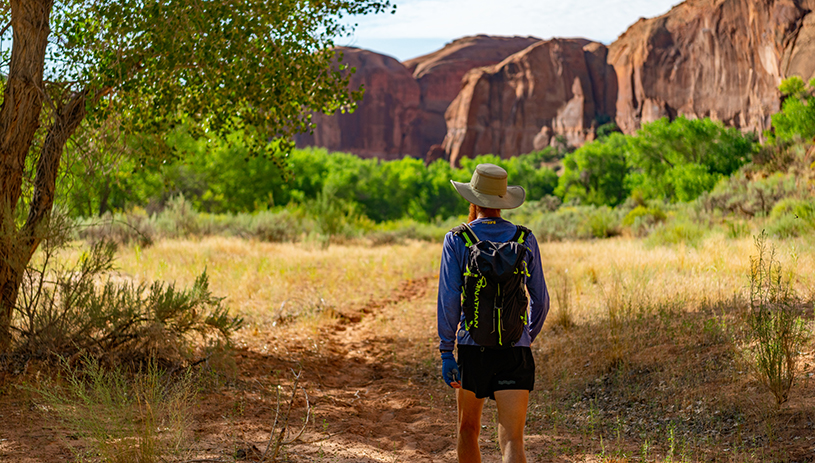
(469,235)
(470,238)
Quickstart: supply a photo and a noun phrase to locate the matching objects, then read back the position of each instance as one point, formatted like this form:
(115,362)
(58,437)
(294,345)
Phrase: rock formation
(439,75)
(721,59)
(385,123)
(402,111)
(560,87)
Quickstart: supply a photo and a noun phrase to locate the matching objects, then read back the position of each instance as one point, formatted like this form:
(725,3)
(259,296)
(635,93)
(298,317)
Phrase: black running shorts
(484,370)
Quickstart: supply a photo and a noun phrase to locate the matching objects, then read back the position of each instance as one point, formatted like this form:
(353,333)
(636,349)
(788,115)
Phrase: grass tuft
(776,330)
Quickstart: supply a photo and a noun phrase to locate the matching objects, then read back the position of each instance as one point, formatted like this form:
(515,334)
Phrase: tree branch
(67,119)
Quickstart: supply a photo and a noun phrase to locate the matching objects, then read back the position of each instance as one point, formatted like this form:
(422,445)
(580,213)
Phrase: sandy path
(373,399)
(375,408)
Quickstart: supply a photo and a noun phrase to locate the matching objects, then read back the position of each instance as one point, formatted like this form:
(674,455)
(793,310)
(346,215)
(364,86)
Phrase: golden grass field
(264,282)
(258,278)
(636,361)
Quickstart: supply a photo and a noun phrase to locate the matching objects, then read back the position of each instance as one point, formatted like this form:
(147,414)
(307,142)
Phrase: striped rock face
(722,59)
(553,91)
(402,111)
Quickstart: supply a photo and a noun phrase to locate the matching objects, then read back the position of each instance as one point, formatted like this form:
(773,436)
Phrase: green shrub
(790,218)
(133,227)
(748,196)
(776,330)
(676,232)
(642,219)
(271,226)
(64,310)
(602,222)
(802,209)
(560,225)
(399,231)
(787,226)
(179,219)
(576,222)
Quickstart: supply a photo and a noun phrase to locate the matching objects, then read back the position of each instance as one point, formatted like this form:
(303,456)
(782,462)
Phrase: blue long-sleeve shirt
(451,280)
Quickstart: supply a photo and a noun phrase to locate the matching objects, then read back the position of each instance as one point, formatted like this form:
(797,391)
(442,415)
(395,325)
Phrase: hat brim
(515,196)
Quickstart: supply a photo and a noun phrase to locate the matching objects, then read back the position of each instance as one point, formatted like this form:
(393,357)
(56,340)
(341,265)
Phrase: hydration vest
(494,298)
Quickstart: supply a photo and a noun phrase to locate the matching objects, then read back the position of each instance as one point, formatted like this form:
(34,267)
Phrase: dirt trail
(369,407)
(372,400)
(379,408)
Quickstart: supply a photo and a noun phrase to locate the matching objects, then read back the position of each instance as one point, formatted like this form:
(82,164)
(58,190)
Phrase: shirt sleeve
(538,293)
(451,280)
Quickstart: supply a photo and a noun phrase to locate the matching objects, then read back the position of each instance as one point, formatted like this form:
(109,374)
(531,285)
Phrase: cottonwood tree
(151,65)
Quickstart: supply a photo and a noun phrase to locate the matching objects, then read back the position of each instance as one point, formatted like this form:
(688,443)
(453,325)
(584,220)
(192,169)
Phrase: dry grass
(283,288)
(628,272)
(645,358)
(653,361)
(264,282)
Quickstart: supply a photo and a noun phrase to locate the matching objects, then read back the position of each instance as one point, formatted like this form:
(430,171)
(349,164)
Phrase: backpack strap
(470,238)
(521,234)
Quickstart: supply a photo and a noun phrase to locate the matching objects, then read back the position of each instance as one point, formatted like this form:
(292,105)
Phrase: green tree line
(672,161)
(222,175)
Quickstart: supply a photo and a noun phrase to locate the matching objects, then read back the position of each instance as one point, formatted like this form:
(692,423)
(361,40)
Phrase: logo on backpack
(494,299)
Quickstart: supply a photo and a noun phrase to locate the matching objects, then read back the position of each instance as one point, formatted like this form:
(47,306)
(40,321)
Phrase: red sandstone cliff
(439,75)
(721,59)
(557,87)
(402,111)
(385,123)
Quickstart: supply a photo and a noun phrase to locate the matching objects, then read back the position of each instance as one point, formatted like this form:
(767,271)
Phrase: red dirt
(374,400)
(367,405)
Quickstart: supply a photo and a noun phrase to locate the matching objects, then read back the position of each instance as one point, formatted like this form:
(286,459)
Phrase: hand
(449,370)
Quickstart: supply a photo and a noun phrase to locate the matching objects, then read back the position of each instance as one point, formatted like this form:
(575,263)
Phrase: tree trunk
(19,121)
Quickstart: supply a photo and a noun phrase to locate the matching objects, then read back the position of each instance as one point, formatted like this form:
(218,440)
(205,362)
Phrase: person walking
(495,366)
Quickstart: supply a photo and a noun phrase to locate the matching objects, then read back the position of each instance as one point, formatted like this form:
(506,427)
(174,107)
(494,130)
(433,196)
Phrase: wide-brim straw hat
(488,188)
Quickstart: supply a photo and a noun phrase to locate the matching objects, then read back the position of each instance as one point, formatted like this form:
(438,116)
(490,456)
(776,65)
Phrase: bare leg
(511,420)
(469,426)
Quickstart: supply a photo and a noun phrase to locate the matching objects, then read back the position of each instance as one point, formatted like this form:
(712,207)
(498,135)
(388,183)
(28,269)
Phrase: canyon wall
(557,88)
(439,76)
(385,123)
(722,59)
(402,111)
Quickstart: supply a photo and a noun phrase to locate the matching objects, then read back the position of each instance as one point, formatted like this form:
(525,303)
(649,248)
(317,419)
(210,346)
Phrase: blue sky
(422,26)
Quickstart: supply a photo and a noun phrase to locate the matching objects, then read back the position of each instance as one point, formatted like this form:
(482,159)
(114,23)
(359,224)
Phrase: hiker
(498,363)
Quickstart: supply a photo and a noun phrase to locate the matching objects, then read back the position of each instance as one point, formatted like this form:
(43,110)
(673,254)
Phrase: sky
(422,26)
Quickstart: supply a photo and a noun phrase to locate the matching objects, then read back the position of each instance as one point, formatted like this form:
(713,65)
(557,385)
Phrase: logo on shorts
(506,383)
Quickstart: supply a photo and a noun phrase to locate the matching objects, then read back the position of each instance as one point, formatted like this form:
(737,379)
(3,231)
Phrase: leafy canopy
(594,173)
(218,176)
(674,161)
(219,64)
(797,117)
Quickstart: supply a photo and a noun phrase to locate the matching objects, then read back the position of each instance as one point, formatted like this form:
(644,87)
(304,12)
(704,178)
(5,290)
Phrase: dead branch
(279,438)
